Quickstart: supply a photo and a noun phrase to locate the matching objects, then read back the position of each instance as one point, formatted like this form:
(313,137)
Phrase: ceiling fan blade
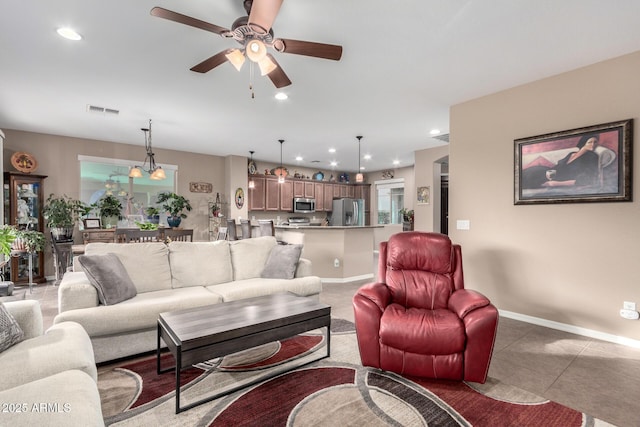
(317,50)
(278,76)
(186,20)
(211,63)
(264,12)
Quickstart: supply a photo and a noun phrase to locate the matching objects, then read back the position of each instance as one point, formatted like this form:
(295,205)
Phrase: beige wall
(570,263)
(57,157)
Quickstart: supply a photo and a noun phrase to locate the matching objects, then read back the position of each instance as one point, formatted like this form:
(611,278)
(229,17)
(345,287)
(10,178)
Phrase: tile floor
(596,377)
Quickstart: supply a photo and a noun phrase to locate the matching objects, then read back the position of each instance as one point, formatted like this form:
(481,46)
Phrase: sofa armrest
(304,268)
(464,301)
(28,315)
(75,291)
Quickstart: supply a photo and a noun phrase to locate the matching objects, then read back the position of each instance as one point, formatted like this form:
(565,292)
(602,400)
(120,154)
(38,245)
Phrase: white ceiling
(404,64)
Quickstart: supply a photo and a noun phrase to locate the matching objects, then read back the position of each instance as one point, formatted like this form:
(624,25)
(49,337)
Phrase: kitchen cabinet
(272,195)
(328,197)
(298,189)
(318,192)
(286,196)
(257,197)
(309,190)
(23,202)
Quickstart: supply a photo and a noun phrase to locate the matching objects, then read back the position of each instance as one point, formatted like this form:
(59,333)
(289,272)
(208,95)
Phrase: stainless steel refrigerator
(348,212)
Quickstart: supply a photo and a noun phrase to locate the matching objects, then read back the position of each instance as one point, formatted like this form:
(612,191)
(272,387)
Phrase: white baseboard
(346,279)
(571,329)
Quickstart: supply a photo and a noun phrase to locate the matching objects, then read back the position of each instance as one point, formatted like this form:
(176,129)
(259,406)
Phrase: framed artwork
(91,223)
(239,198)
(200,187)
(424,195)
(589,164)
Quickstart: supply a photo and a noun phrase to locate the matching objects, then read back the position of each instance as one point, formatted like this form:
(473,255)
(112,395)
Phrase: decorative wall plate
(24,162)
(239,198)
(253,169)
(319,176)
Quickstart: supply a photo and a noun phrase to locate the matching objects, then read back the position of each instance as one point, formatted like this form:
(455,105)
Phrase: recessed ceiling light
(332,150)
(367,156)
(334,163)
(299,158)
(69,33)
(396,162)
(434,131)
(281,96)
(361,168)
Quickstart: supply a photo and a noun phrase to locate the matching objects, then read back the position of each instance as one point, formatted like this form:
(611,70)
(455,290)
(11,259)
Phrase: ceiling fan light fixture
(256,50)
(236,58)
(266,66)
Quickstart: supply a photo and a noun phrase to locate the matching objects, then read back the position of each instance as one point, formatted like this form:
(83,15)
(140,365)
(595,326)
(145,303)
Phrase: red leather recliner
(419,320)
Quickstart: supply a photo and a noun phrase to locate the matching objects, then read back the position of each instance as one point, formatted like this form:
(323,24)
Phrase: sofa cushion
(109,277)
(64,346)
(10,331)
(303,286)
(248,256)
(146,263)
(138,313)
(282,262)
(200,263)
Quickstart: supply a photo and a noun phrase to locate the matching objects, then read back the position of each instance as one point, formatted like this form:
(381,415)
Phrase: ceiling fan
(255,35)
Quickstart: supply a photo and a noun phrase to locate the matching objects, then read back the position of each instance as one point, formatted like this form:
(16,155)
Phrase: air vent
(444,137)
(315,161)
(102,110)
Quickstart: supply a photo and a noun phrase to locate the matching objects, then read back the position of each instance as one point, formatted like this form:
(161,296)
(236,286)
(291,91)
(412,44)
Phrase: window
(101,176)
(390,199)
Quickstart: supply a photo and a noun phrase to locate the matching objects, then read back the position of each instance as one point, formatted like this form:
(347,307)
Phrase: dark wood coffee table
(198,334)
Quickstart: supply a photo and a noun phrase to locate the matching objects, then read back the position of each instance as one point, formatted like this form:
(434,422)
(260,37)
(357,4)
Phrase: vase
(62,234)
(153,219)
(174,221)
(109,221)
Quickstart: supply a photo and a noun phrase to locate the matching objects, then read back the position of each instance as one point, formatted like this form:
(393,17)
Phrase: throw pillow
(107,274)
(10,331)
(282,262)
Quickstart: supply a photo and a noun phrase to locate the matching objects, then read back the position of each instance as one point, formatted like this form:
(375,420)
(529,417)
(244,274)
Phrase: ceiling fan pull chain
(253,95)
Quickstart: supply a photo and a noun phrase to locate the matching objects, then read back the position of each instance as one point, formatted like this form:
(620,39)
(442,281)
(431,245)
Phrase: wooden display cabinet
(23,202)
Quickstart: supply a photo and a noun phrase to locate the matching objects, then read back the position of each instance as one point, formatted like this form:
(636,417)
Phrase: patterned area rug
(336,391)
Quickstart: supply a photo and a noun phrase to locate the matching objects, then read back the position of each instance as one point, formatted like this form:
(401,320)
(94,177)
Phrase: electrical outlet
(628,305)
(336,263)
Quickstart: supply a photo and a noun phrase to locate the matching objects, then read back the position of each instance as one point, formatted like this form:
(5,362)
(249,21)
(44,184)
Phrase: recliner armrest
(378,293)
(463,301)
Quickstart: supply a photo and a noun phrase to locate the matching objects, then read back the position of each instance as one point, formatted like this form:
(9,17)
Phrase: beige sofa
(48,378)
(171,277)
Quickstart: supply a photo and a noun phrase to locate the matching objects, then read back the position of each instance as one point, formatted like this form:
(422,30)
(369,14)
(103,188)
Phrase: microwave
(302,205)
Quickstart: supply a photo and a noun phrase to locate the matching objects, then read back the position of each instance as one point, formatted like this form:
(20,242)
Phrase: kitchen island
(338,254)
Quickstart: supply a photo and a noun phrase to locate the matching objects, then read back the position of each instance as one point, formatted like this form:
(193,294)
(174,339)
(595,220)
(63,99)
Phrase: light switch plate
(463,224)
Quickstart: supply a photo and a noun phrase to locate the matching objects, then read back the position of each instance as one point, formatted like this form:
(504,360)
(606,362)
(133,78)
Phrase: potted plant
(109,208)
(28,241)
(7,237)
(175,206)
(61,214)
(153,214)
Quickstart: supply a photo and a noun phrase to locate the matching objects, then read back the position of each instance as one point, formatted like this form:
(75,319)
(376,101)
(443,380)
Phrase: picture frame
(424,195)
(588,164)
(91,223)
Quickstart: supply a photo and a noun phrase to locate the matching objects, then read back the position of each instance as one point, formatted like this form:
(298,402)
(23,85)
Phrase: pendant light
(156,172)
(252,183)
(281,173)
(359,176)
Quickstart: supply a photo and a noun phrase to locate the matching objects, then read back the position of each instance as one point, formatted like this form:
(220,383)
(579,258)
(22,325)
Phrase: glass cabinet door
(24,198)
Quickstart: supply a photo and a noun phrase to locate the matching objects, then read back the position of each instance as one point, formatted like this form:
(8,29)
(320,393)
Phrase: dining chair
(141,236)
(174,235)
(245,226)
(231,230)
(267,228)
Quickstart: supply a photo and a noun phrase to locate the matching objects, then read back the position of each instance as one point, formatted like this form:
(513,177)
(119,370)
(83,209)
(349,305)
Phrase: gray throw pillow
(10,331)
(282,262)
(109,277)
